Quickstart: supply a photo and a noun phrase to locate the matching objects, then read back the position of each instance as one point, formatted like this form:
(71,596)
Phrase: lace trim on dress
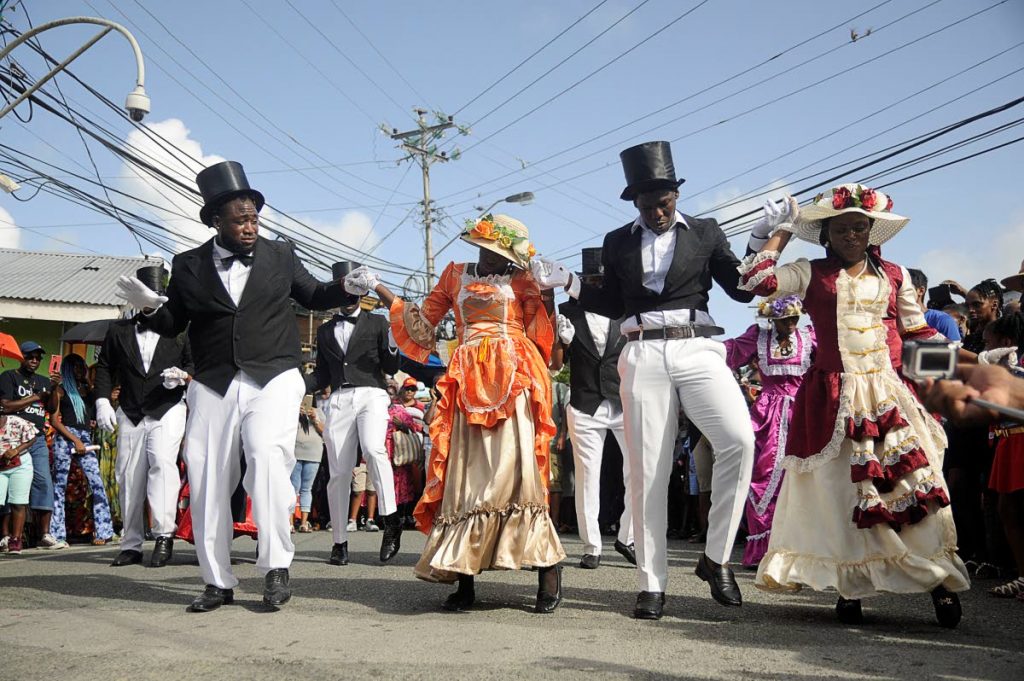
(501,283)
(766,341)
(835,444)
(890,456)
(752,270)
(507,510)
(419,329)
(761,505)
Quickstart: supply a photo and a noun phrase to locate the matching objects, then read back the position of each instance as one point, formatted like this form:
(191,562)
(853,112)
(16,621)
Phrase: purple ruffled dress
(770,415)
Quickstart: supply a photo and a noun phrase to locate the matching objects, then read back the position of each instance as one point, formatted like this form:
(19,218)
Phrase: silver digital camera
(929,359)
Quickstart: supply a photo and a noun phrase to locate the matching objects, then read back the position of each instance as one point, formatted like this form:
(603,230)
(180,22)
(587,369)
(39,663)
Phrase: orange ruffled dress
(485,502)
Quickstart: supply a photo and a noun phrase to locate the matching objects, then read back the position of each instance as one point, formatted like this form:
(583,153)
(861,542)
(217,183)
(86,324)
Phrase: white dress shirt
(234,276)
(343,331)
(598,326)
(147,340)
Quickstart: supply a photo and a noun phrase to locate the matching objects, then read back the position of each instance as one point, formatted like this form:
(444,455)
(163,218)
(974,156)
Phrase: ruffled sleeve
(761,274)
(741,350)
(536,322)
(910,321)
(414,326)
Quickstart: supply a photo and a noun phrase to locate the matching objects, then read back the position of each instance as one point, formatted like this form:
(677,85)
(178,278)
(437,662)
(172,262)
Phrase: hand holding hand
(549,273)
(361,281)
(566,331)
(174,377)
(138,295)
(106,417)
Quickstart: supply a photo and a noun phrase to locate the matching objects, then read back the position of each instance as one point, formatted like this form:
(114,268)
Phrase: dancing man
(593,345)
(234,294)
(355,350)
(152,371)
(658,270)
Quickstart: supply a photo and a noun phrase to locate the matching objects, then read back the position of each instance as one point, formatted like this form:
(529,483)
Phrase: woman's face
(848,235)
(492,263)
(786,326)
(980,308)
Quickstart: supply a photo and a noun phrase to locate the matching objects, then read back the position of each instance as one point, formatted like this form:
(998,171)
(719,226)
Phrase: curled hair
(1011,327)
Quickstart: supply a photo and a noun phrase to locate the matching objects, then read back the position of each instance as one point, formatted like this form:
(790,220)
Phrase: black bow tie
(244,258)
(345,318)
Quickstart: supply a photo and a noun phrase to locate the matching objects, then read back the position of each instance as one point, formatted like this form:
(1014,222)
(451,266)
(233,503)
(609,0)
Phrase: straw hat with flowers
(780,308)
(504,235)
(850,198)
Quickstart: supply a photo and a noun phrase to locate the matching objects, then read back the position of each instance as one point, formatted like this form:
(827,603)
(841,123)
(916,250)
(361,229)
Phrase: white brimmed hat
(1016,281)
(502,234)
(851,198)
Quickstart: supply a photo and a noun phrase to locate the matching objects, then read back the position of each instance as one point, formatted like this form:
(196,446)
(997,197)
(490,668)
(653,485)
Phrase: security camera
(137,104)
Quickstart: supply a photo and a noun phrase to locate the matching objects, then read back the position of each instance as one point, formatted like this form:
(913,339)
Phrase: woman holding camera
(863,507)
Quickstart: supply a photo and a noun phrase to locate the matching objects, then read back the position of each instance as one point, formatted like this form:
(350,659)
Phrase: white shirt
(598,326)
(234,276)
(147,340)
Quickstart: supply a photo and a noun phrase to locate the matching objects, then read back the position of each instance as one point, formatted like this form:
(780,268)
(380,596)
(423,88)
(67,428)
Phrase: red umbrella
(9,347)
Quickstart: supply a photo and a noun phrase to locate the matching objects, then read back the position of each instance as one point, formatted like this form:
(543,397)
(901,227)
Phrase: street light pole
(137,102)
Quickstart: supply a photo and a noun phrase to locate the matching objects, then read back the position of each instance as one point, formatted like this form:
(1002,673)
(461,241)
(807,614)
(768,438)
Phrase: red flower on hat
(841,198)
(868,199)
(888,206)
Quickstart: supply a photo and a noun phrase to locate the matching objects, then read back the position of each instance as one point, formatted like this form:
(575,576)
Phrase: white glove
(361,281)
(566,331)
(1004,356)
(138,295)
(174,377)
(106,417)
(549,273)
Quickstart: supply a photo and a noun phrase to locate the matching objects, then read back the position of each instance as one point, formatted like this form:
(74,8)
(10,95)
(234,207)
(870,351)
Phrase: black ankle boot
(392,540)
(546,600)
(849,612)
(947,607)
(462,599)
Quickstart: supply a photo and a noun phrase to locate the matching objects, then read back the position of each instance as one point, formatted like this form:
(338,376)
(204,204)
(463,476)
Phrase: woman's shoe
(462,599)
(849,612)
(305,528)
(947,607)
(1009,590)
(547,601)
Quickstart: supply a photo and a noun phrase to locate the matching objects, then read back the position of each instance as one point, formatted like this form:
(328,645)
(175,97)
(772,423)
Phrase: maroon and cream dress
(863,508)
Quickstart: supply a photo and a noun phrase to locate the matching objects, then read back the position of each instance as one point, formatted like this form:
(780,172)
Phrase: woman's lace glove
(566,331)
(778,215)
(1004,356)
(549,273)
(361,281)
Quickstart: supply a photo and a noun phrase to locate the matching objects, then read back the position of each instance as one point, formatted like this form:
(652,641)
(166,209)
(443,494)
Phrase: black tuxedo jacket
(258,336)
(364,364)
(593,377)
(702,254)
(142,392)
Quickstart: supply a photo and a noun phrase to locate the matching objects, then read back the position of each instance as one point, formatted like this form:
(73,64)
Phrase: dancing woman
(783,353)
(863,508)
(485,504)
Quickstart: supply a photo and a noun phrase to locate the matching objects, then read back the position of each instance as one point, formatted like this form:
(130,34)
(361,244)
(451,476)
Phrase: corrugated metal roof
(65,277)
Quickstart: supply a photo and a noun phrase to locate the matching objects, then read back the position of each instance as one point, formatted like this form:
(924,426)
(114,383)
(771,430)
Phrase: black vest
(593,378)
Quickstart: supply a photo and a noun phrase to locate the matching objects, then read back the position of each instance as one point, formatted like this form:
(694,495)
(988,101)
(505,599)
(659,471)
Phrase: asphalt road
(67,615)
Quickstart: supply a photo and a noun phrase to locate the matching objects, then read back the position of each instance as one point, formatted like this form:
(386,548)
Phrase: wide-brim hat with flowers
(503,235)
(780,308)
(851,198)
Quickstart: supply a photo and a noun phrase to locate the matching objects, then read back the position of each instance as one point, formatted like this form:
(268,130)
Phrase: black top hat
(592,265)
(338,272)
(648,167)
(153,277)
(220,183)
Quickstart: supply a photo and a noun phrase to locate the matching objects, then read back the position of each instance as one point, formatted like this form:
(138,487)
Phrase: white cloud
(999,256)
(179,214)
(10,234)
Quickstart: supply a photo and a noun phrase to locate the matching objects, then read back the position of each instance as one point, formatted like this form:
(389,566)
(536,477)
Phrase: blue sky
(286,119)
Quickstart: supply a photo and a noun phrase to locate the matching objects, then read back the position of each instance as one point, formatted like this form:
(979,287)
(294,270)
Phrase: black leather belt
(672,332)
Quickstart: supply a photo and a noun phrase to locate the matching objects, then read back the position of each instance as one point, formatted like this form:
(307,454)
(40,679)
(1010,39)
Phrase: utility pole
(420,145)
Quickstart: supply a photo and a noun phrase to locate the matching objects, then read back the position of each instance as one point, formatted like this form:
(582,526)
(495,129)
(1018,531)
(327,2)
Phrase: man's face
(657,209)
(349,309)
(237,224)
(32,361)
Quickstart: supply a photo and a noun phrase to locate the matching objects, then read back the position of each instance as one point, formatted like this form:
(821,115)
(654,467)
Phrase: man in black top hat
(658,271)
(152,371)
(593,344)
(354,352)
(234,294)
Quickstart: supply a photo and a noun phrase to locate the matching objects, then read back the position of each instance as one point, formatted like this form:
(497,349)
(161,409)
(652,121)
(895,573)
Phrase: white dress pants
(587,434)
(357,418)
(658,378)
(261,422)
(147,457)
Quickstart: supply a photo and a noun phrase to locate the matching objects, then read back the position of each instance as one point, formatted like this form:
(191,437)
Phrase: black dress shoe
(162,552)
(128,557)
(589,562)
(947,607)
(720,578)
(339,554)
(649,605)
(275,587)
(392,540)
(462,600)
(848,611)
(626,551)
(547,601)
(212,598)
